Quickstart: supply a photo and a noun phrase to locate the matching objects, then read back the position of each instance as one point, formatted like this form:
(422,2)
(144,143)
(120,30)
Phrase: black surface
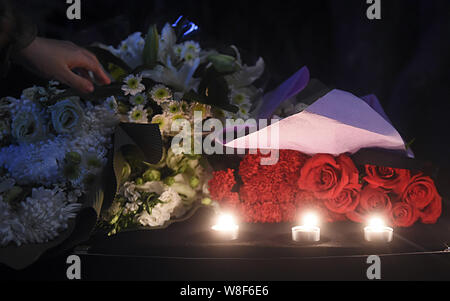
(187,252)
(403,58)
(193,239)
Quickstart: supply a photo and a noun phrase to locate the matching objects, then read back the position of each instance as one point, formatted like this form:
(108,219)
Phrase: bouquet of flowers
(327,184)
(52,148)
(165,79)
(319,136)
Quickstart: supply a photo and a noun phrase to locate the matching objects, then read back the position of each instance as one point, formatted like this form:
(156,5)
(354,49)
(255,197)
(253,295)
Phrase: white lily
(247,74)
(181,79)
(167,42)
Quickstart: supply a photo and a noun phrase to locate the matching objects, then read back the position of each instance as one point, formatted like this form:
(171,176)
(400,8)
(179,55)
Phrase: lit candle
(309,231)
(226,228)
(377,231)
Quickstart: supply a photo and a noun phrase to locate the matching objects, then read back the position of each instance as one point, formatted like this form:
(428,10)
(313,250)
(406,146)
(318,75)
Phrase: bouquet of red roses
(330,185)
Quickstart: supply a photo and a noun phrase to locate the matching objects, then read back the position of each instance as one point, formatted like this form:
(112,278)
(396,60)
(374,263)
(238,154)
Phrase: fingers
(83,62)
(71,79)
(94,65)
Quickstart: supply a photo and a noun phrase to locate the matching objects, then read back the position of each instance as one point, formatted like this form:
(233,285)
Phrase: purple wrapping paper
(336,123)
(291,87)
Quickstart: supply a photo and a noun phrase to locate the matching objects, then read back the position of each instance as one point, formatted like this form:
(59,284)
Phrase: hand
(59,59)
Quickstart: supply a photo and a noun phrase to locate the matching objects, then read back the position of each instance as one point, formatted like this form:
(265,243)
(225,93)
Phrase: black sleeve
(16,32)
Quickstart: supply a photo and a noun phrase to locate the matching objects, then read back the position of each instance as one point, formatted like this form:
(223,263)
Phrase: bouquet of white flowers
(161,79)
(51,150)
(54,142)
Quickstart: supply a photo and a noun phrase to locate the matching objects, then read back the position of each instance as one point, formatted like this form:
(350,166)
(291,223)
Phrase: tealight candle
(309,231)
(226,228)
(377,231)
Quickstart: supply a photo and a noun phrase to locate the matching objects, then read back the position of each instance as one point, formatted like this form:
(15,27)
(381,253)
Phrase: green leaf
(117,73)
(105,57)
(410,143)
(223,63)
(150,54)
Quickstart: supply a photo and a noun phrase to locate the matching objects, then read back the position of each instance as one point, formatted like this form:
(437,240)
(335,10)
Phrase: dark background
(404,59)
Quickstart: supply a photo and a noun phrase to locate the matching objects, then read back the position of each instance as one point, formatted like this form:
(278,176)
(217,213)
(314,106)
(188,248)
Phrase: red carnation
(403,215)
(327,176)
(221,184)
(248,194)
(388,178)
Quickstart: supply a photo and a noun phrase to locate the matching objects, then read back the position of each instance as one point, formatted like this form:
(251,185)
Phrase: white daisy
(139,99)
(111,104)
(138,115)
(163,121)
(133,85)
(191,46)
(239,97)
(161,94)
(200,107)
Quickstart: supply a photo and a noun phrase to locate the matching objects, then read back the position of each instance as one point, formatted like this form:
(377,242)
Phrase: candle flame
(225,222)
(376,223)
(310,220)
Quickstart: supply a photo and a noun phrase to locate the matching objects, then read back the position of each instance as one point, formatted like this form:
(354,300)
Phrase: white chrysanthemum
(244,111)
(139,99)
(133,85)
(239,97)
(163,121)
(35,163)
(172,107)
(138,115)
(190,57)
(39,163)
(38,219)
(45,214)
(178,50)
(111,104)
(191,46)
(35,93)
(161,94)
(200,107)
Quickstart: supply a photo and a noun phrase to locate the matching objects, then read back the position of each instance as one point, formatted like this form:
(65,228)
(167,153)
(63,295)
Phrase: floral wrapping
(332,186)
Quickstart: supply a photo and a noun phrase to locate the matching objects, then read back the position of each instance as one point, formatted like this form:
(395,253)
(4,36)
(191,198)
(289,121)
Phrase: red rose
(346,201)
(389,178)
(421,193)
(404,215)
(432,212)
(327,176)
(375,200)
(372,201)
